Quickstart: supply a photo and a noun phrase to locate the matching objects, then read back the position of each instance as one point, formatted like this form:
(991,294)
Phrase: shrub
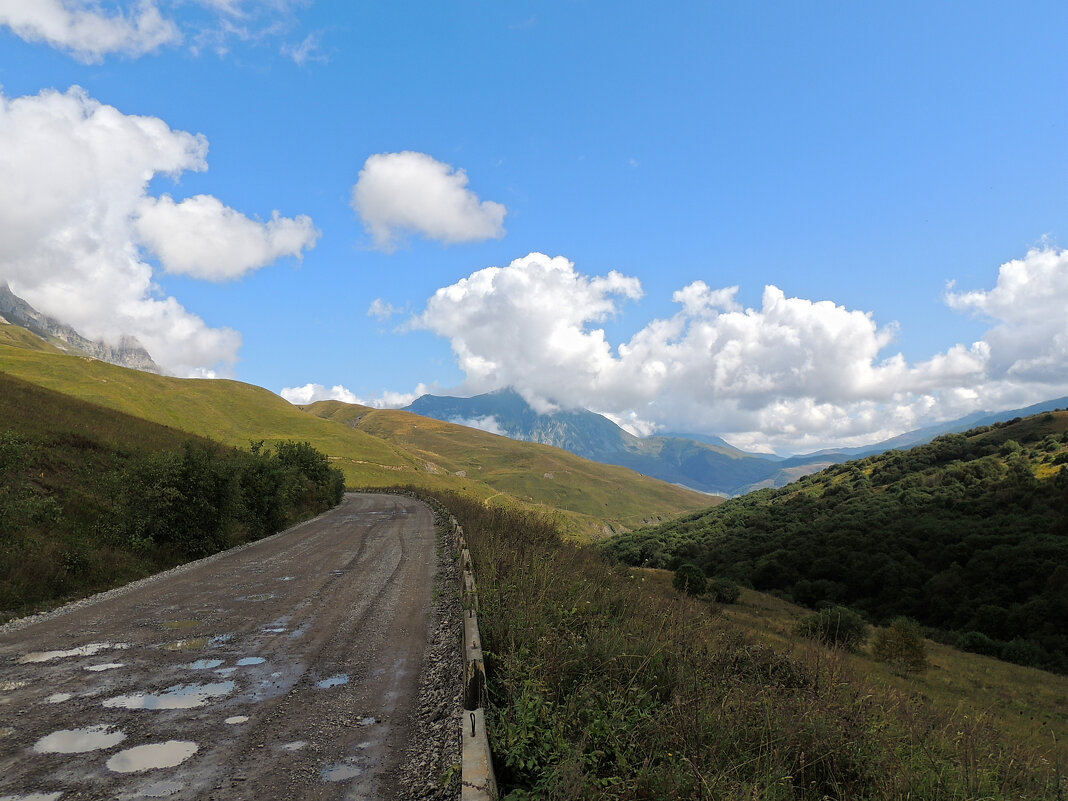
(901,645)
(723,590)
(690,579)
(979,643)
(835,626)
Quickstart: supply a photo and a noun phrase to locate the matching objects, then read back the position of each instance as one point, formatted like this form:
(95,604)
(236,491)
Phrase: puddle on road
(236,719)
(80,741)
(192,644)
(92,649)
(152,757)
(159,789)
(296,633)
(105,666)
(58,698)
(182,696)
(220,639)
(274,630)
(333,681)
(287,578)
(296,745)
(368,721)
(250,660)
(204,664)
(341,771)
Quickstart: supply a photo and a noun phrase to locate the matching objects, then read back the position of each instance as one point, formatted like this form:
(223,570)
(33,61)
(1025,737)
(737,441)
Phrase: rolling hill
(389,449)
(967,534)
(705,463)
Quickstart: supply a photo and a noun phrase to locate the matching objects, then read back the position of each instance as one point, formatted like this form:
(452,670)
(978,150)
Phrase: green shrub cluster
(204,498)
(835,626)
(79,513)
(961,535)
(601,689)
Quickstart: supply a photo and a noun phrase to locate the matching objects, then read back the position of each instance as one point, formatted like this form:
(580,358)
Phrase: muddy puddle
(182,696)
(92,649)
(342,771)
(80,741)
(161,789)
(204,664)
(236,719)
(152,757)
(333,681)
(250,660)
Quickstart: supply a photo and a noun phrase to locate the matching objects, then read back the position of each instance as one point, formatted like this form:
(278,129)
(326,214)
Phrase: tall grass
(601,688)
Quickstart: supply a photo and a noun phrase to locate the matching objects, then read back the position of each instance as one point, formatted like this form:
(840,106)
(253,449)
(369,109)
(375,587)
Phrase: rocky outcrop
(127,353)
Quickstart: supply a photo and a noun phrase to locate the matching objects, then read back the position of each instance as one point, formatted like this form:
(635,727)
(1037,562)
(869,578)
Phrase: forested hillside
(968,535)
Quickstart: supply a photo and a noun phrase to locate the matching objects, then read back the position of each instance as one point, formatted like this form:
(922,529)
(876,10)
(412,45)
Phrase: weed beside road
(602,687)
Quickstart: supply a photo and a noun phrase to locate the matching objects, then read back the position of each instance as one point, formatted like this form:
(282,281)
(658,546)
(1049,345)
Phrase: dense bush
(901,645)
(78,514)
(690,579)
(724,590)
(835,626)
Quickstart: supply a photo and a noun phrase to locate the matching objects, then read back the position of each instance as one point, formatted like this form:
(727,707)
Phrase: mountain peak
(129,352)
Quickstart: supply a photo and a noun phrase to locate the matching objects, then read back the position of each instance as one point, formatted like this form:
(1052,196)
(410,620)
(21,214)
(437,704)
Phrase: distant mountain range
(128,353)
(705,463)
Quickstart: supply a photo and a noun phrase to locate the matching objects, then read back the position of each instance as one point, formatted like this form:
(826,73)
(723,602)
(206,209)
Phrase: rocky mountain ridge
(129,352)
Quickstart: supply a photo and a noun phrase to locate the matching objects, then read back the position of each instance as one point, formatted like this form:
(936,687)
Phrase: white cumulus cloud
(205,239)
(793,373)
(310,393)
(74,175)
(409,192)
(527,326)
(87,32)
(382,310)
(487,423)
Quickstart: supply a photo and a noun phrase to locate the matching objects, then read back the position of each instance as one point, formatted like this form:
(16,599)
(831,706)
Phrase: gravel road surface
(293,668)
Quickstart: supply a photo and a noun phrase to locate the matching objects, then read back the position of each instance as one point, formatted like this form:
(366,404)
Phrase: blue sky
(857,158)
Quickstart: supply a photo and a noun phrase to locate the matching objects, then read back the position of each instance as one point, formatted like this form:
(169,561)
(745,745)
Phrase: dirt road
(287,669)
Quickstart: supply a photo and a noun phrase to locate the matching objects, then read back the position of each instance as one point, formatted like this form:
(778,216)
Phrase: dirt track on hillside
(287,669)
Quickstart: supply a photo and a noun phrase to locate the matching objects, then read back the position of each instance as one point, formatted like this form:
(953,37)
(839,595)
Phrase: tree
(901,645)
(690,579)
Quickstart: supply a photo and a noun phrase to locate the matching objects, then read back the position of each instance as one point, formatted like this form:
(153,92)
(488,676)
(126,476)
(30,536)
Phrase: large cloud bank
(76,220)
(793,374)
(401,193)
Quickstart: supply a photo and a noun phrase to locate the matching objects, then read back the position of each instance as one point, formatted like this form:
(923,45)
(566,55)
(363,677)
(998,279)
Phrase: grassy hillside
(537,474)
(382,451)
(91,498)
(606,683)
(968,535)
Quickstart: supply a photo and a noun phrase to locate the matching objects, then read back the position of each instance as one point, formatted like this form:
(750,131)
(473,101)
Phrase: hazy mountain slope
(704,466)
(235,413)
(967,534)
(128,353)
(526,470)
